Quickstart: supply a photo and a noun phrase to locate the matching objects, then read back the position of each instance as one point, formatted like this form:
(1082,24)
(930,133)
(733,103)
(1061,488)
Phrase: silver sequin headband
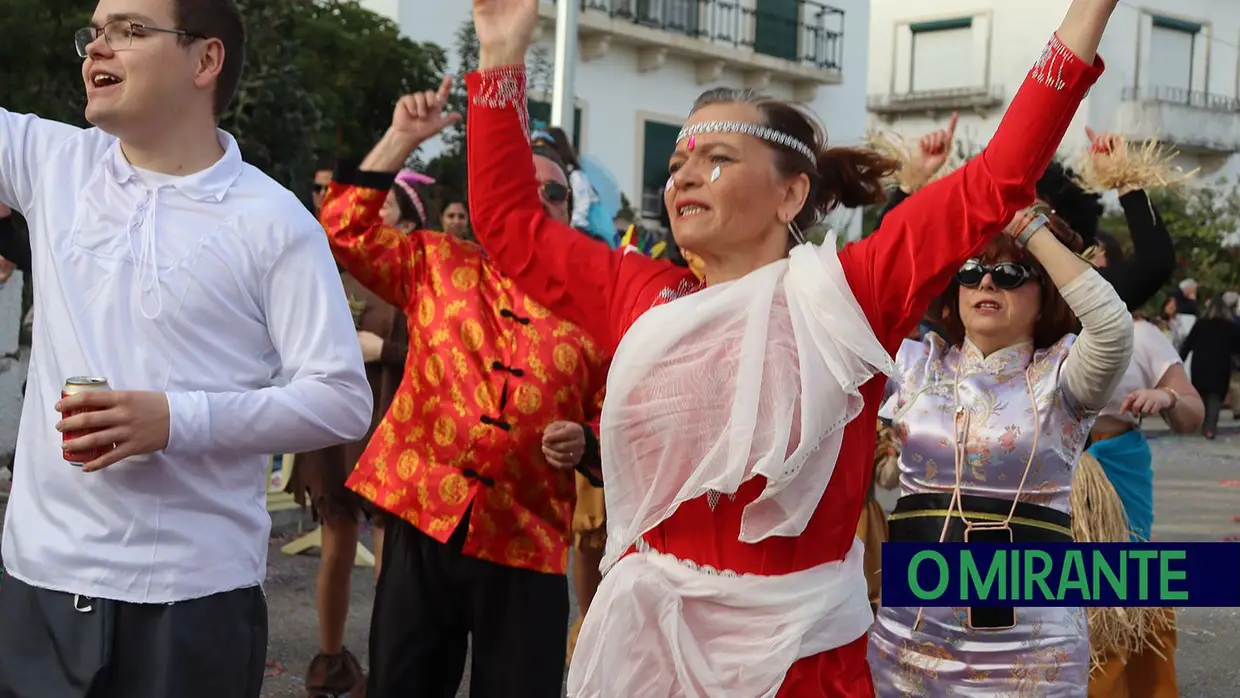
(766,133)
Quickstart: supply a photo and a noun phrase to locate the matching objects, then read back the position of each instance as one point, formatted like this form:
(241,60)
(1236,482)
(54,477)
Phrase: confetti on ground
(274,669)
(1229,483)
(1235,519)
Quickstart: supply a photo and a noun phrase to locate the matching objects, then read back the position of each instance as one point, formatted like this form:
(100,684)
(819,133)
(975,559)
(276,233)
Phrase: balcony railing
(800,31)
(1178,95)
(1192,120)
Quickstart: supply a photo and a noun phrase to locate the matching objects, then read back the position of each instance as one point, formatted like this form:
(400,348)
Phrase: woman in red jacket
(735,466)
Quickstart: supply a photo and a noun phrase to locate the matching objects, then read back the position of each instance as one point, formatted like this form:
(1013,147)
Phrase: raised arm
(1097,361)
(326,400)
(27,145)
(910,259)
(927,158)
(577,277)
(1139,278)
(385,260)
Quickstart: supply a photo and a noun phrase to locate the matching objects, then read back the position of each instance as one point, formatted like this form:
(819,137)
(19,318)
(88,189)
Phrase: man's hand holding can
(111,425)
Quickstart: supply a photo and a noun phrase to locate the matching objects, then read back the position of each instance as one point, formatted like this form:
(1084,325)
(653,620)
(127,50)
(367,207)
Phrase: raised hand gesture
(932,152)
(505,30)
(1103,148)
(421,115)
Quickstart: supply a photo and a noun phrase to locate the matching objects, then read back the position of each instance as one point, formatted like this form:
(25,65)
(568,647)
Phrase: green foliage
(448,168)
(40,73)
(321,77)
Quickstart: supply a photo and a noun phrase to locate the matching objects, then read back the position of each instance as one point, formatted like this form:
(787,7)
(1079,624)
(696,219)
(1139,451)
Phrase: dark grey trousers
(56,645)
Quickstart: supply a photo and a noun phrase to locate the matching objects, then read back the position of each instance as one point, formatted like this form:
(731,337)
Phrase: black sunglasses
(1004,275)
(553,192)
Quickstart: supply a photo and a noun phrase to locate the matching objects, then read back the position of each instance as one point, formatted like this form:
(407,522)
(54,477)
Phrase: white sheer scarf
(753,377)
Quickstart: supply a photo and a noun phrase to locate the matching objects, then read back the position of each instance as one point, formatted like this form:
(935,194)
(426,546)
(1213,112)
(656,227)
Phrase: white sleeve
(27,144)
(1153,353)
(1098,359)
(583,196)
(326,400)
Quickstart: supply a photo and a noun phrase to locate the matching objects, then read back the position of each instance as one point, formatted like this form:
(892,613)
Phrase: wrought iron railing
(801,31)
(1196,99)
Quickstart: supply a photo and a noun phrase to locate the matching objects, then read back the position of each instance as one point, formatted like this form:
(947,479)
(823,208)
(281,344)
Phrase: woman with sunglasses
(738,430)
(992,418)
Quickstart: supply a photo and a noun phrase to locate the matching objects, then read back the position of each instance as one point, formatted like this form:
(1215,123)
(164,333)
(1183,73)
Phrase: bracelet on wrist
(1175,398)
(1032,227)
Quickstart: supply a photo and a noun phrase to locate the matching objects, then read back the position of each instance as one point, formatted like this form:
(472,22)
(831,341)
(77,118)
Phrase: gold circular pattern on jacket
(445,430)
(402,407)
(368,491)
(485,397)
(407,464)
(519,551)
(471,334)
(566,358)
(464,278)
(426,311)
(434,369)
(527,398)
(534,310)
(453,489)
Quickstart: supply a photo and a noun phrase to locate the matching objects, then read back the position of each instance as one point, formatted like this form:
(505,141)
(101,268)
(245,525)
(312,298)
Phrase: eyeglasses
(553,192)
(119,34)
(1005,275)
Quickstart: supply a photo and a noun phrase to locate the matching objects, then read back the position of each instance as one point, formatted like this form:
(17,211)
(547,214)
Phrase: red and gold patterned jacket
(488,369)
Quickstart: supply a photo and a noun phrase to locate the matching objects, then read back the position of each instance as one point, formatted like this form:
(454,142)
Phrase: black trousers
(56,645)
(431,601)
(1214,408)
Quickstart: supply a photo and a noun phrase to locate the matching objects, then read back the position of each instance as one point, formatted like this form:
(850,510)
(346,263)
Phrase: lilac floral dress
(1047,653)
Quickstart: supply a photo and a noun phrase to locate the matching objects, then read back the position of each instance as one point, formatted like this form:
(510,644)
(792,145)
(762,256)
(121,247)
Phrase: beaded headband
(766,133)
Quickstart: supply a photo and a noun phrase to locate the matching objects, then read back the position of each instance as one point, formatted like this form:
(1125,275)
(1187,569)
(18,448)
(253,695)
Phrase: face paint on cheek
(671,182)
(716,173)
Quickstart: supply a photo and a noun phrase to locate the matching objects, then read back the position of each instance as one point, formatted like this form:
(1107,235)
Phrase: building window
(540,113)
(942,55)
(776,28)
(680,16)
(659,144)
(1173,44)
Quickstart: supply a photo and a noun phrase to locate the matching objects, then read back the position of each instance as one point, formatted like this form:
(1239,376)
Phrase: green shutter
(941,25)
(1177,24)
(777,25)
(540,113)
(660,143)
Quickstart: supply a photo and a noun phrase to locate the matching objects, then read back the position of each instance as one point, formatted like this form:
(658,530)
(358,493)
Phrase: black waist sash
(918,518)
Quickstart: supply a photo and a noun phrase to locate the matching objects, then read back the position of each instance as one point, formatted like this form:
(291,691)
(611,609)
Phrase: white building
(643,62)
(1173,71)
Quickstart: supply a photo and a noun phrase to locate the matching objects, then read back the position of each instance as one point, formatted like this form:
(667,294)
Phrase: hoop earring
(795,231)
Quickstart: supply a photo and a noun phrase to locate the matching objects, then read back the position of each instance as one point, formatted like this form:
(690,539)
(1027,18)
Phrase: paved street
(1192,505)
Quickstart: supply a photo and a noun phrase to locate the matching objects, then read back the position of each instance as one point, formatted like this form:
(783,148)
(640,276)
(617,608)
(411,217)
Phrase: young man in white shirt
(206,294)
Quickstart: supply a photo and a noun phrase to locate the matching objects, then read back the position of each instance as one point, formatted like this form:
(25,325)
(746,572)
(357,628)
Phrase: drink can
(73,386)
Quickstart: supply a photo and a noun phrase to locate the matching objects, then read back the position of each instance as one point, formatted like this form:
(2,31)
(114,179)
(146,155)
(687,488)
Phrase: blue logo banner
(1061,574)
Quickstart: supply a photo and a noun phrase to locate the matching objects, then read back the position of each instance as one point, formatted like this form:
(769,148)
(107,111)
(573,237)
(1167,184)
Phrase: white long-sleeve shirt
(217,288)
